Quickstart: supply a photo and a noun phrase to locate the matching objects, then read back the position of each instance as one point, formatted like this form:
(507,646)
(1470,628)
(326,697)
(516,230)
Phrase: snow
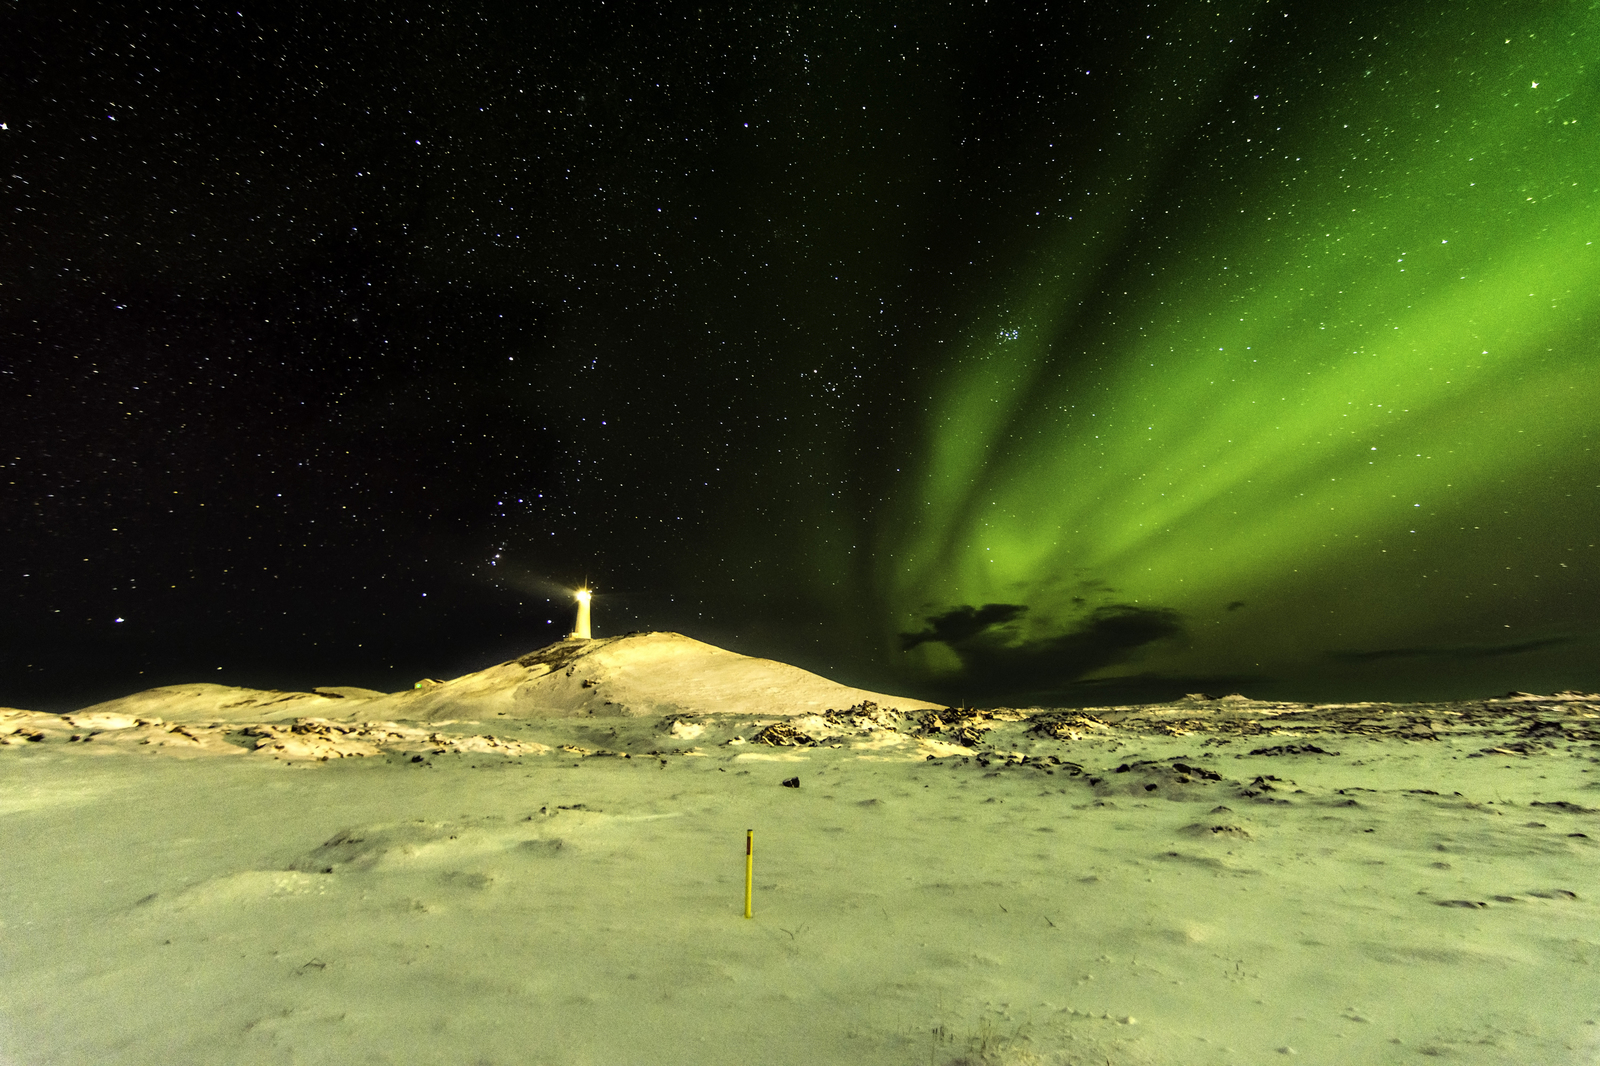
(573,892)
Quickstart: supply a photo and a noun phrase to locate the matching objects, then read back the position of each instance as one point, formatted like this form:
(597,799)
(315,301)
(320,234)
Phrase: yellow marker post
(749,868)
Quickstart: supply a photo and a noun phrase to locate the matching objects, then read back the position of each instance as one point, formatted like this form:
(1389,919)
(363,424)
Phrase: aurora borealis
(1341,414)
(1059,355)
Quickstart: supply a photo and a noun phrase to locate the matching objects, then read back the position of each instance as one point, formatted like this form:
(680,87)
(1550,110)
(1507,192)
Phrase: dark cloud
(1465,651)
(963,623)
(996,662)
(1235,605)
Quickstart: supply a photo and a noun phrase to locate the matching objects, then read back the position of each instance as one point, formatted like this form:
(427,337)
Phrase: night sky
(988,352)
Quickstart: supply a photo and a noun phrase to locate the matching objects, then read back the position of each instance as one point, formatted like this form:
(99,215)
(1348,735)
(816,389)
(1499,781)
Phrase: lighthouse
(581,630)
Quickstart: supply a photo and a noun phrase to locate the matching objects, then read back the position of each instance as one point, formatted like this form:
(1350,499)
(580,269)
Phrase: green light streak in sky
(1357,396)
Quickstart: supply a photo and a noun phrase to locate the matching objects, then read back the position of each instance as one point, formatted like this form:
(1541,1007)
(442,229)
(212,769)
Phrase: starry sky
(1057,354)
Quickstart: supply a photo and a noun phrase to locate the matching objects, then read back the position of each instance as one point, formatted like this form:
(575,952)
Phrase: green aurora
(1328,421)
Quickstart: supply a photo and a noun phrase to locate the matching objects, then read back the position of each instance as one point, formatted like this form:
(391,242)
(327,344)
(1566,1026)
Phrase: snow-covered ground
(548,901)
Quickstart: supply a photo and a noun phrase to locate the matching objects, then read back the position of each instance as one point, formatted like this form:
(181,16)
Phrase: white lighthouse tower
(581,630)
